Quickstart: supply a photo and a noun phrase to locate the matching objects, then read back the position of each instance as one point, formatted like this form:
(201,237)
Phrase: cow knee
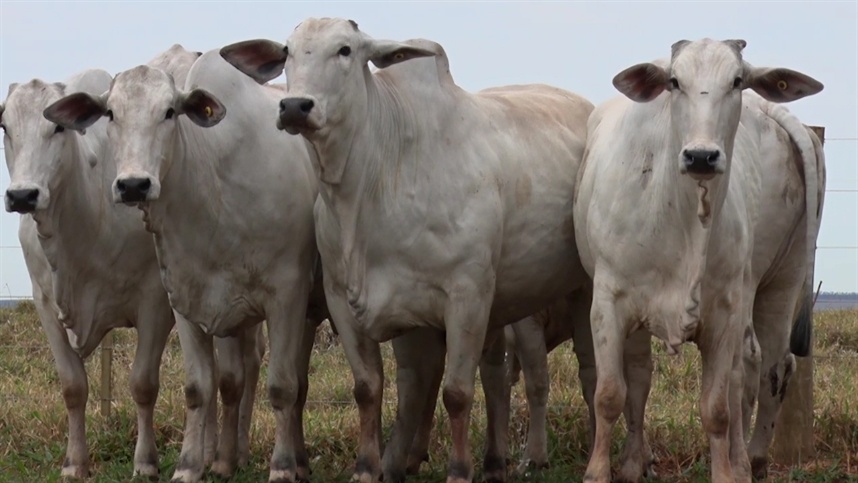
(716,416)
(365,392)
(457,400)
(75,393)
(144,390)
(282,394)
(610,397)
(194,397)
(231,387)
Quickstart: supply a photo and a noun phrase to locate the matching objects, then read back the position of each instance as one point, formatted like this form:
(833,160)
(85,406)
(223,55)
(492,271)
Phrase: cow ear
(384,53)
(642,82)
(77,111)
(781,85)
(262,60)
(12,88)
(201,107)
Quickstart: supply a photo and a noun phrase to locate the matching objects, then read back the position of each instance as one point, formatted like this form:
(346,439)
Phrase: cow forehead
(33,97)
(323,31)
(706,57)
(142,82)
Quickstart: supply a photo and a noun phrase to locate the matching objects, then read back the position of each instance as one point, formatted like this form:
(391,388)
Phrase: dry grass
(33,424)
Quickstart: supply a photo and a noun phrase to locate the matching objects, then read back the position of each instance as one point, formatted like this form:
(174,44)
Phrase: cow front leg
(153,329)
(302,459)
(419,357)
(230,362)
(466,321)
(636,456)
(608,340)
(286,335)
(75,389)
(496,387)
(198,355)
(252,353)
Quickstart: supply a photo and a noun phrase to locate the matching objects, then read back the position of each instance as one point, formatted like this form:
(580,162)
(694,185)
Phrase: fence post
(106,374)
(794,442)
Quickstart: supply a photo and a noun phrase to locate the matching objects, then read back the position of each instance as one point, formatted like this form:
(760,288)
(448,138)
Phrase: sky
(578,46)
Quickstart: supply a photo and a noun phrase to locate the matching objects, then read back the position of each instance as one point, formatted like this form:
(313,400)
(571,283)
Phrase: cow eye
(737,82)
(286,51)
(109,114)
(345,51)
(170,113)
(674,84)
(59,129)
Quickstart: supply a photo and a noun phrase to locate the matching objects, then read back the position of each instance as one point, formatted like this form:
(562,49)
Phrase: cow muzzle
(134,189)
(299,114)
(23,201)
(702,163)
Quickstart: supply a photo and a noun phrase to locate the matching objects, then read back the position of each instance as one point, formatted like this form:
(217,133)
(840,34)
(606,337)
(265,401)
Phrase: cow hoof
(395,476)
(186,476)
(458,479)
(760,468)
(282,476)
(364,478)
(146,470)
(76,472)
(222,469)
(528,468)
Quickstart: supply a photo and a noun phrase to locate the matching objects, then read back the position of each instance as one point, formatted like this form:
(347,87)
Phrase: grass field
(33,420)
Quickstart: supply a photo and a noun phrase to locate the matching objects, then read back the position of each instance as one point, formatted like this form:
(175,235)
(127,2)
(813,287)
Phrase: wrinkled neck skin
(190,222)
(79,234)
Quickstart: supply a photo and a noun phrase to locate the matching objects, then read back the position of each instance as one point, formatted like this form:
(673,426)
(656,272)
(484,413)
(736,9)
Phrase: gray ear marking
(354,24)
(737,44)
(677,47)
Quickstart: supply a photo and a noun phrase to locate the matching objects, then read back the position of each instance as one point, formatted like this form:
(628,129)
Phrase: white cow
(229,201)
(438,208)
(665,211)
(92,264)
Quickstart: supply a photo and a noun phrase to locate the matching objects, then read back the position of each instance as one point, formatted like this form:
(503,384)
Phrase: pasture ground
(33,421)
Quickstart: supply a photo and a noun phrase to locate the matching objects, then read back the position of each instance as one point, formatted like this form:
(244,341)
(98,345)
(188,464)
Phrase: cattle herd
(473,230)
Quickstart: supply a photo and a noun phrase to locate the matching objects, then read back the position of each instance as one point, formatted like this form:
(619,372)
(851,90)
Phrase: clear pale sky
(577,46)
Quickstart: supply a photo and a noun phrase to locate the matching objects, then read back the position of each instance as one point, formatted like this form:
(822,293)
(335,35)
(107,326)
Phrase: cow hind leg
(419,451)
(497,392)
(75,389)
(419,357)
(200,372)
(231,385)
(302,458)
(152,334)
(773,315)
(531,352)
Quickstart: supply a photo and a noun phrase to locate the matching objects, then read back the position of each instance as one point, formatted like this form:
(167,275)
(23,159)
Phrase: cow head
(325,61)
(34,146)
(142,106)
(704,80)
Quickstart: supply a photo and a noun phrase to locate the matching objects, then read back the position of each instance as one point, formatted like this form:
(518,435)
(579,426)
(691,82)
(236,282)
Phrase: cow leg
(434,371)
(302,459)
(533,356)
(774,312)
(608,329)
(739,461)
(286,335)
(582,340)
(466,321)
(153,330)
(198,355)
(73,379)
(752,361)
(497,392)
(230,363)
(636,456)
(364,357)
(252,351)
(718,343)
(419,357)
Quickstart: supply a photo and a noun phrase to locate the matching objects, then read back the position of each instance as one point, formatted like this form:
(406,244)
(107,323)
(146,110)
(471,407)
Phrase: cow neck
(699,204)
(78,208)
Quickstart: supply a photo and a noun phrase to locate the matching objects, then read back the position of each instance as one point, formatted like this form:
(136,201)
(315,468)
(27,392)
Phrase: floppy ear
(641,82)
(384,53)
(77,111)
(262,60)
(780,84)
(201,107)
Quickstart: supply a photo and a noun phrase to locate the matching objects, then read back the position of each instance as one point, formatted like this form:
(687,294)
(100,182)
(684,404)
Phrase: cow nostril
(701,155)
(306,106)
(120,185)
(33,195)
(282,104)
(145,185)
